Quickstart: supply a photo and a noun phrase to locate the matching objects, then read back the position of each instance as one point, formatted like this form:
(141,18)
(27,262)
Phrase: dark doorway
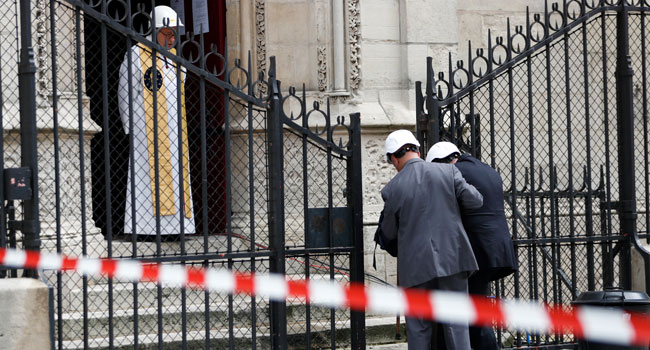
(101,88)
(210,206)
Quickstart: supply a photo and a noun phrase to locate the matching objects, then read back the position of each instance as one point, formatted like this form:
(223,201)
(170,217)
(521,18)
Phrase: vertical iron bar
(644,106)
(228,194)
(231,333)
(551,164)
(3,212)
(513,169)
(55,115)
(251,198)
(532,248)
(608,259)
(420,119)
(531,154)
(453,109)
(50,299)
(156,140)
(625,133)
(433,106)
(305,189)
(11,216)
(80,117)
(330,218)
(55,109)
(134,228)
(28,131)
(107,167)
(276,207)
(55,119)
(543,225)
(567,81)
(491,92)
(180,104)
(472,116)
(591,277)
(204,193)
(355,201)
(513,172)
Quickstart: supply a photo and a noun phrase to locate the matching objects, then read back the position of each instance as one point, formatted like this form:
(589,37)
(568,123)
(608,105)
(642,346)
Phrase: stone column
(245,30)
(338,36)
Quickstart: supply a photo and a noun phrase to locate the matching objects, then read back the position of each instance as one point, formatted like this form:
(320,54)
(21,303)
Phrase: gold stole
(166,178)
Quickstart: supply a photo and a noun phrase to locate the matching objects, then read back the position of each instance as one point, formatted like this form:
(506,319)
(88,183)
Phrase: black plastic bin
(632,301)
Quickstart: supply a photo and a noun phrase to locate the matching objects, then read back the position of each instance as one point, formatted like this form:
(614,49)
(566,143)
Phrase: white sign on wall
(179,7)
(200,16)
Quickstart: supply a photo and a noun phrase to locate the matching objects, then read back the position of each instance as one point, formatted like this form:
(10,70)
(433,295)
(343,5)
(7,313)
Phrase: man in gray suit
(421,211)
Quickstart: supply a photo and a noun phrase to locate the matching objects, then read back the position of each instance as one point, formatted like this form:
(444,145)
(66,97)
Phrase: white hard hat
(441,150)
(399,138)
(164,12)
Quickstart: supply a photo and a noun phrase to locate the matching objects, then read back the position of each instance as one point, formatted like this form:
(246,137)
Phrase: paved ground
(400,346)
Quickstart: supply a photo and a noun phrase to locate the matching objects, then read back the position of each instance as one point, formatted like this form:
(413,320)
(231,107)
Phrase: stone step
(171,318)
(379,330)
(97,295)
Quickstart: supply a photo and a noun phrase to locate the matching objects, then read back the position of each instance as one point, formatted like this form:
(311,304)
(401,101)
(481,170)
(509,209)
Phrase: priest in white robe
(162,186)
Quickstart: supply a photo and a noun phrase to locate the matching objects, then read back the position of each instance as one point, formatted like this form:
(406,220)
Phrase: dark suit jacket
(421,210)
(486,226)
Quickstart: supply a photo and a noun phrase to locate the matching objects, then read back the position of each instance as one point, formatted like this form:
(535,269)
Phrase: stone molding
(42,89)
(354,35)
(260,35)
(322,68)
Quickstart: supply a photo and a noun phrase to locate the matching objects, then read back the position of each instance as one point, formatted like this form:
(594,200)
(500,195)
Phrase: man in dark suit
(421,211)
(486,227)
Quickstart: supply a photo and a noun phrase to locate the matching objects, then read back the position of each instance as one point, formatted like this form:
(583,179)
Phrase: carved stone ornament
(260,35)
(322,68)
(354,35)
(42,88)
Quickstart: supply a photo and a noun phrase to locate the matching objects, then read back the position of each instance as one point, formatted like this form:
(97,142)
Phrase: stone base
(24,314)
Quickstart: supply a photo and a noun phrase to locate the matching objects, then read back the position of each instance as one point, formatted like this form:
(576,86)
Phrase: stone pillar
(245,30)
(338,38)
(25,314)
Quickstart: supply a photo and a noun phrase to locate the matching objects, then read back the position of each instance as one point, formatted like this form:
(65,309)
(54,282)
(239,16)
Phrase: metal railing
(558,105)
(228,170)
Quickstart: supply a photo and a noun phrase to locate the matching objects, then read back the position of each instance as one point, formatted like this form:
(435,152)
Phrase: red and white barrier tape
(596,324)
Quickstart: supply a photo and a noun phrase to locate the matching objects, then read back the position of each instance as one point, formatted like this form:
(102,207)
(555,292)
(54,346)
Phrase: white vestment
(141,181)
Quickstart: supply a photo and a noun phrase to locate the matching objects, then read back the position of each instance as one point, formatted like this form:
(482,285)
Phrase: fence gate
(171,156)
(559,106)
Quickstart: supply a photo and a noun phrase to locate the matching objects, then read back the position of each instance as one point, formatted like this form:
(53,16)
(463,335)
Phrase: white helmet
(399,138)
(164,12)
(441,150)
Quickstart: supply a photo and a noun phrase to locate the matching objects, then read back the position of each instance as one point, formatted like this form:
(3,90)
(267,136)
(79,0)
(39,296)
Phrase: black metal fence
(559,106)
(195,161)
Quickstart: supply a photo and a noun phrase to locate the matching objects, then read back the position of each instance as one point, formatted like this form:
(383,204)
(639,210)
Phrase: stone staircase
(152,304)
(160,310)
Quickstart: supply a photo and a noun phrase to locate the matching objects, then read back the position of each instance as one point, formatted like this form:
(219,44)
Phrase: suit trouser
(420,333)
(481,338)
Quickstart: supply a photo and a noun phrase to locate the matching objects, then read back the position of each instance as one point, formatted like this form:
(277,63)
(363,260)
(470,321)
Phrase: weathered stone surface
(25,315)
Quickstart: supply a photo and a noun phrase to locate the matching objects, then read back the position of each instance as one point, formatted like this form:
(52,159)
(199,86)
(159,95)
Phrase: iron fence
(214,166)
(558,106)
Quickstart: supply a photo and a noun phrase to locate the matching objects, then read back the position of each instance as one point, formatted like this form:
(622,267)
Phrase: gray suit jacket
(421,209)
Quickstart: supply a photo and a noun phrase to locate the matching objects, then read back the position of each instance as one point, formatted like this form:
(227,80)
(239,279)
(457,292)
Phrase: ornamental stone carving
(260,35)
(42,88)
(322,68)
(354,36)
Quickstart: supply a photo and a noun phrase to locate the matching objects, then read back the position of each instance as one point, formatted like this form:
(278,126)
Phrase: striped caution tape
(595,324)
